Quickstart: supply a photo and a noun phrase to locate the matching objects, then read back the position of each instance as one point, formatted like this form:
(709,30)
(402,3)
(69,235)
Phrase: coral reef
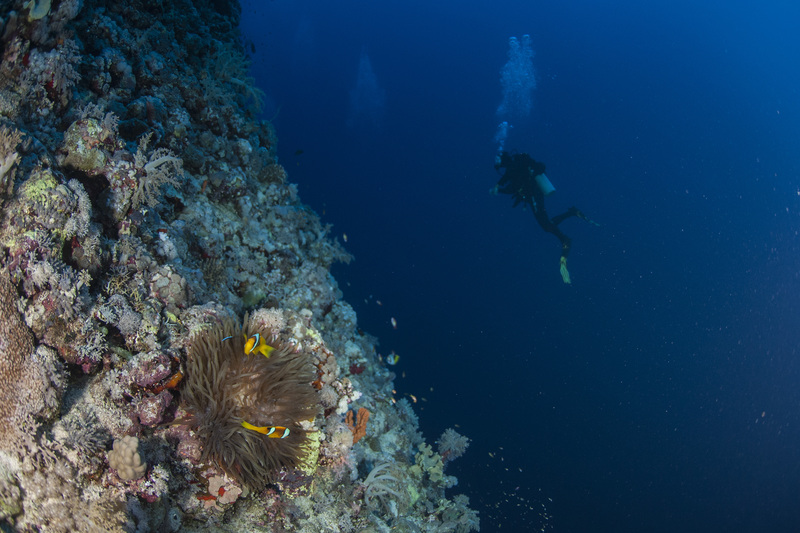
(144,212)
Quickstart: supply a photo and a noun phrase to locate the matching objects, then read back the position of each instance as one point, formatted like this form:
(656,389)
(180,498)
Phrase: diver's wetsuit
(519,181)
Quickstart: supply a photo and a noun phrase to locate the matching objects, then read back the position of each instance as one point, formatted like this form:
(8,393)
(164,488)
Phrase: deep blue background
(658,392)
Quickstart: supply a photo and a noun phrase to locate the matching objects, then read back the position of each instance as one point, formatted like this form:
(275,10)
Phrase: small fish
(257,344)
(394,323)
(171,383)
(299,152)
(392,358)
(273,432)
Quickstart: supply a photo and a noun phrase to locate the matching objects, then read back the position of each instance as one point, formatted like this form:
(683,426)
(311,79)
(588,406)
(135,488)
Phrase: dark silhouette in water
(524,179)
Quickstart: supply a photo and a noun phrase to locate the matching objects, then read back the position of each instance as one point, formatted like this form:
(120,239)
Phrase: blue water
(659,391)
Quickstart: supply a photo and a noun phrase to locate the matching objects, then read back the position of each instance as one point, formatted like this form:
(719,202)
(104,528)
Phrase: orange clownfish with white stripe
(256,344)
(273,432)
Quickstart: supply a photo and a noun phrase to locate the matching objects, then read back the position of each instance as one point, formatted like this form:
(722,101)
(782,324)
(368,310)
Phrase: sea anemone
(225,387)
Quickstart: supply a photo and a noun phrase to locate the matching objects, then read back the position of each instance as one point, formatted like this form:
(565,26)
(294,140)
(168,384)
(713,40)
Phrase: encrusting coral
(30,380)
(16,345)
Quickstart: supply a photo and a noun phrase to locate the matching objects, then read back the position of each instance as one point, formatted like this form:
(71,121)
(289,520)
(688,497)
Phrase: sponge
(125,458)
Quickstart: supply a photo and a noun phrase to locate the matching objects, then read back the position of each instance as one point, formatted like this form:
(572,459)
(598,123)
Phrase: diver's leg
(550,226)
(572,212)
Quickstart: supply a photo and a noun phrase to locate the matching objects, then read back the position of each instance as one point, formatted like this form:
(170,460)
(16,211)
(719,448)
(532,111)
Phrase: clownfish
(257,344)
(273,432)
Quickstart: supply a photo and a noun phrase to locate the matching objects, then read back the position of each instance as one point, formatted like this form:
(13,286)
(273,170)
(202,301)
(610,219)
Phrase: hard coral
(225,386)
(126,459)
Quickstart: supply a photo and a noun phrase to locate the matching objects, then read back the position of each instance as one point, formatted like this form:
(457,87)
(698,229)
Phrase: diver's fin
(564,271)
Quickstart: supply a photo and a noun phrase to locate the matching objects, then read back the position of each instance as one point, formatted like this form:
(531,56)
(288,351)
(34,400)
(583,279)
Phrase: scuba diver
(524,179)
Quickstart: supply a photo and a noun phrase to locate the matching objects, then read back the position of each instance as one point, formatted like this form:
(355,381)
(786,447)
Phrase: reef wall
(174,352)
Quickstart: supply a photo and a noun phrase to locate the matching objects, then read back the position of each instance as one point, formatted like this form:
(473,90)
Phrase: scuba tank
(544,184)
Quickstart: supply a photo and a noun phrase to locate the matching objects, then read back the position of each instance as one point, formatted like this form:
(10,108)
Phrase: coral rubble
(144,213)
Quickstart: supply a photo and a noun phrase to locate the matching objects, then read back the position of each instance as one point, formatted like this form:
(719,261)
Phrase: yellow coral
(308,465)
